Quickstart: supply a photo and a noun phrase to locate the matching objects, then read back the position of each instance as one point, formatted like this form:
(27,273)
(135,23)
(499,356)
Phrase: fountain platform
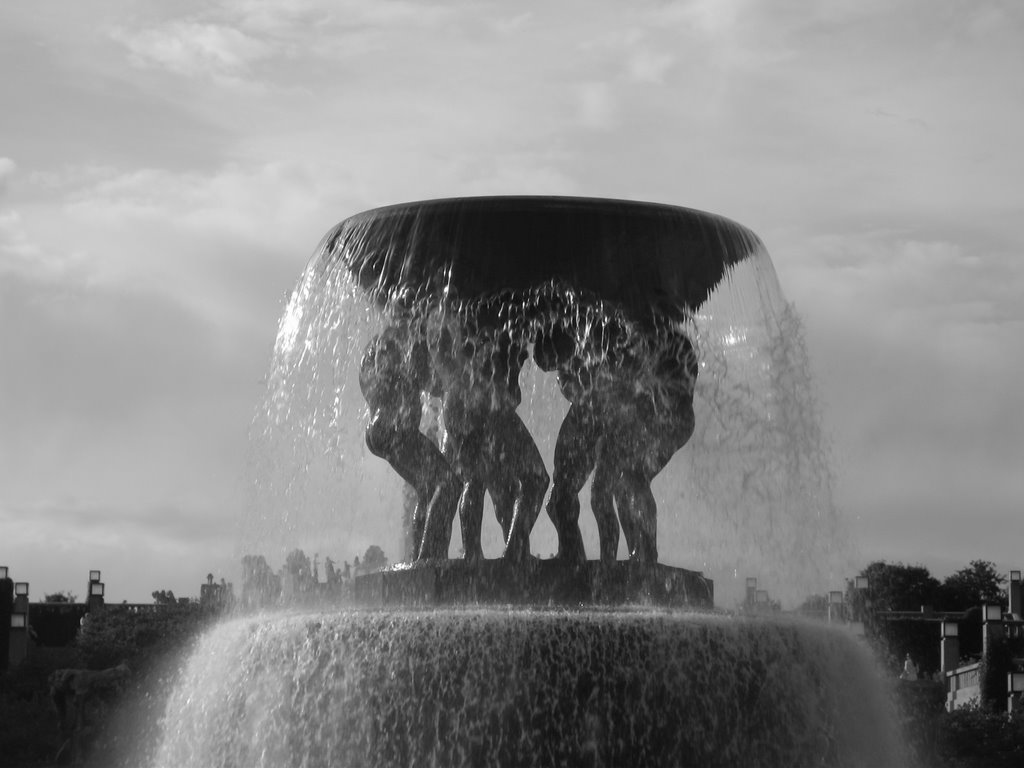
(537,582)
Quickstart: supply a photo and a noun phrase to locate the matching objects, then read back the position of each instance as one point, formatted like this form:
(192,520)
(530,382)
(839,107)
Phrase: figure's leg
(503,497)
(637,504)
(471,513)
(667,436)
(601,501)
(514,456)
(463,452)
(575,455)
(419,462)
(436,506)
(624,505)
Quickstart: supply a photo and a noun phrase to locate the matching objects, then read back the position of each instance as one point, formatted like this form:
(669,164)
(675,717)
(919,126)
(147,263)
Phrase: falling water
(750,494)
(576,688)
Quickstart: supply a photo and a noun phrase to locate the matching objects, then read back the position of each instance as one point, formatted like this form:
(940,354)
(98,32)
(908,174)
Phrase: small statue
(653,421)
(487,442)
(395,370)
(909,669)
(631,396)
(576,446)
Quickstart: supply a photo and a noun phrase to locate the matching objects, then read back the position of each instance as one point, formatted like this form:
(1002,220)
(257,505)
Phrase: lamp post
(835,606)
(751,591)
(94,595)
(992,628)
(6,613)
(949,658)
(761,598)
(18,624)
(1014,689)
(862,603)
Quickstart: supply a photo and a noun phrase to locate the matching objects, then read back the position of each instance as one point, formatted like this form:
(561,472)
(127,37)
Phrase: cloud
(7,169)
(597,107)
(649,66)
(230,42)
(195,49)
(125,412)
(138,549)
(125,524)
(15,246)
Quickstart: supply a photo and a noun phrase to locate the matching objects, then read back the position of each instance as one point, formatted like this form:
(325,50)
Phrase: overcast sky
(166,169)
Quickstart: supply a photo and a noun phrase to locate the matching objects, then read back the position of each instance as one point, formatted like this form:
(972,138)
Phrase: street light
(94,575)
(21,589)
(96,589)
(835,597)
(1014,576)
(992,612)
(3,571)
(949,648)
(861,582)
(19,621)
(1015,687)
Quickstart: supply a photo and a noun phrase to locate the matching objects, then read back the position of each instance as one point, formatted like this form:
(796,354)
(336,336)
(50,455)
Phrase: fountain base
(537,582)
(514,687)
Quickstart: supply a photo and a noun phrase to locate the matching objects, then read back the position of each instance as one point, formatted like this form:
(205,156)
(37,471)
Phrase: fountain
(485,334)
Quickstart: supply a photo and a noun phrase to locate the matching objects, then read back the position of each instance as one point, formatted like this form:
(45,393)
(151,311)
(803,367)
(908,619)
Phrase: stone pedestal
(538,582)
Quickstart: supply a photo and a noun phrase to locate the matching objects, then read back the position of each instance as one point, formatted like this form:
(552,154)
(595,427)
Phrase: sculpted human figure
(395,369)
(631,409)
(652,419)
(487,442)
(577,443)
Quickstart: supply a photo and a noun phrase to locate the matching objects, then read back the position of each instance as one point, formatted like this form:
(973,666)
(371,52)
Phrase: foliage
(994,668)
(151,643)
(920,706)
(115,635)
(974,737)
(164,597)
(298,565)
(974,585)
(60,597)
(814,605)
(374,559)
(899,587)
(29,733)
(260,585)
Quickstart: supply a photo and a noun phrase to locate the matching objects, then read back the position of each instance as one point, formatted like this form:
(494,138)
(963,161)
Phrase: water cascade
(492,354)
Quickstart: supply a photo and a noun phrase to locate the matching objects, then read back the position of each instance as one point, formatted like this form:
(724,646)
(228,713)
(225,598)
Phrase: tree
(260,585)
(60,597)
(976,584)
(899,587)
(298,565)
(164,597)
(814,605)
(333,574)
(374,559)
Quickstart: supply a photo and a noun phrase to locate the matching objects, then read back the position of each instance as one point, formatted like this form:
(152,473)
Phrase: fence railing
(963,686)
